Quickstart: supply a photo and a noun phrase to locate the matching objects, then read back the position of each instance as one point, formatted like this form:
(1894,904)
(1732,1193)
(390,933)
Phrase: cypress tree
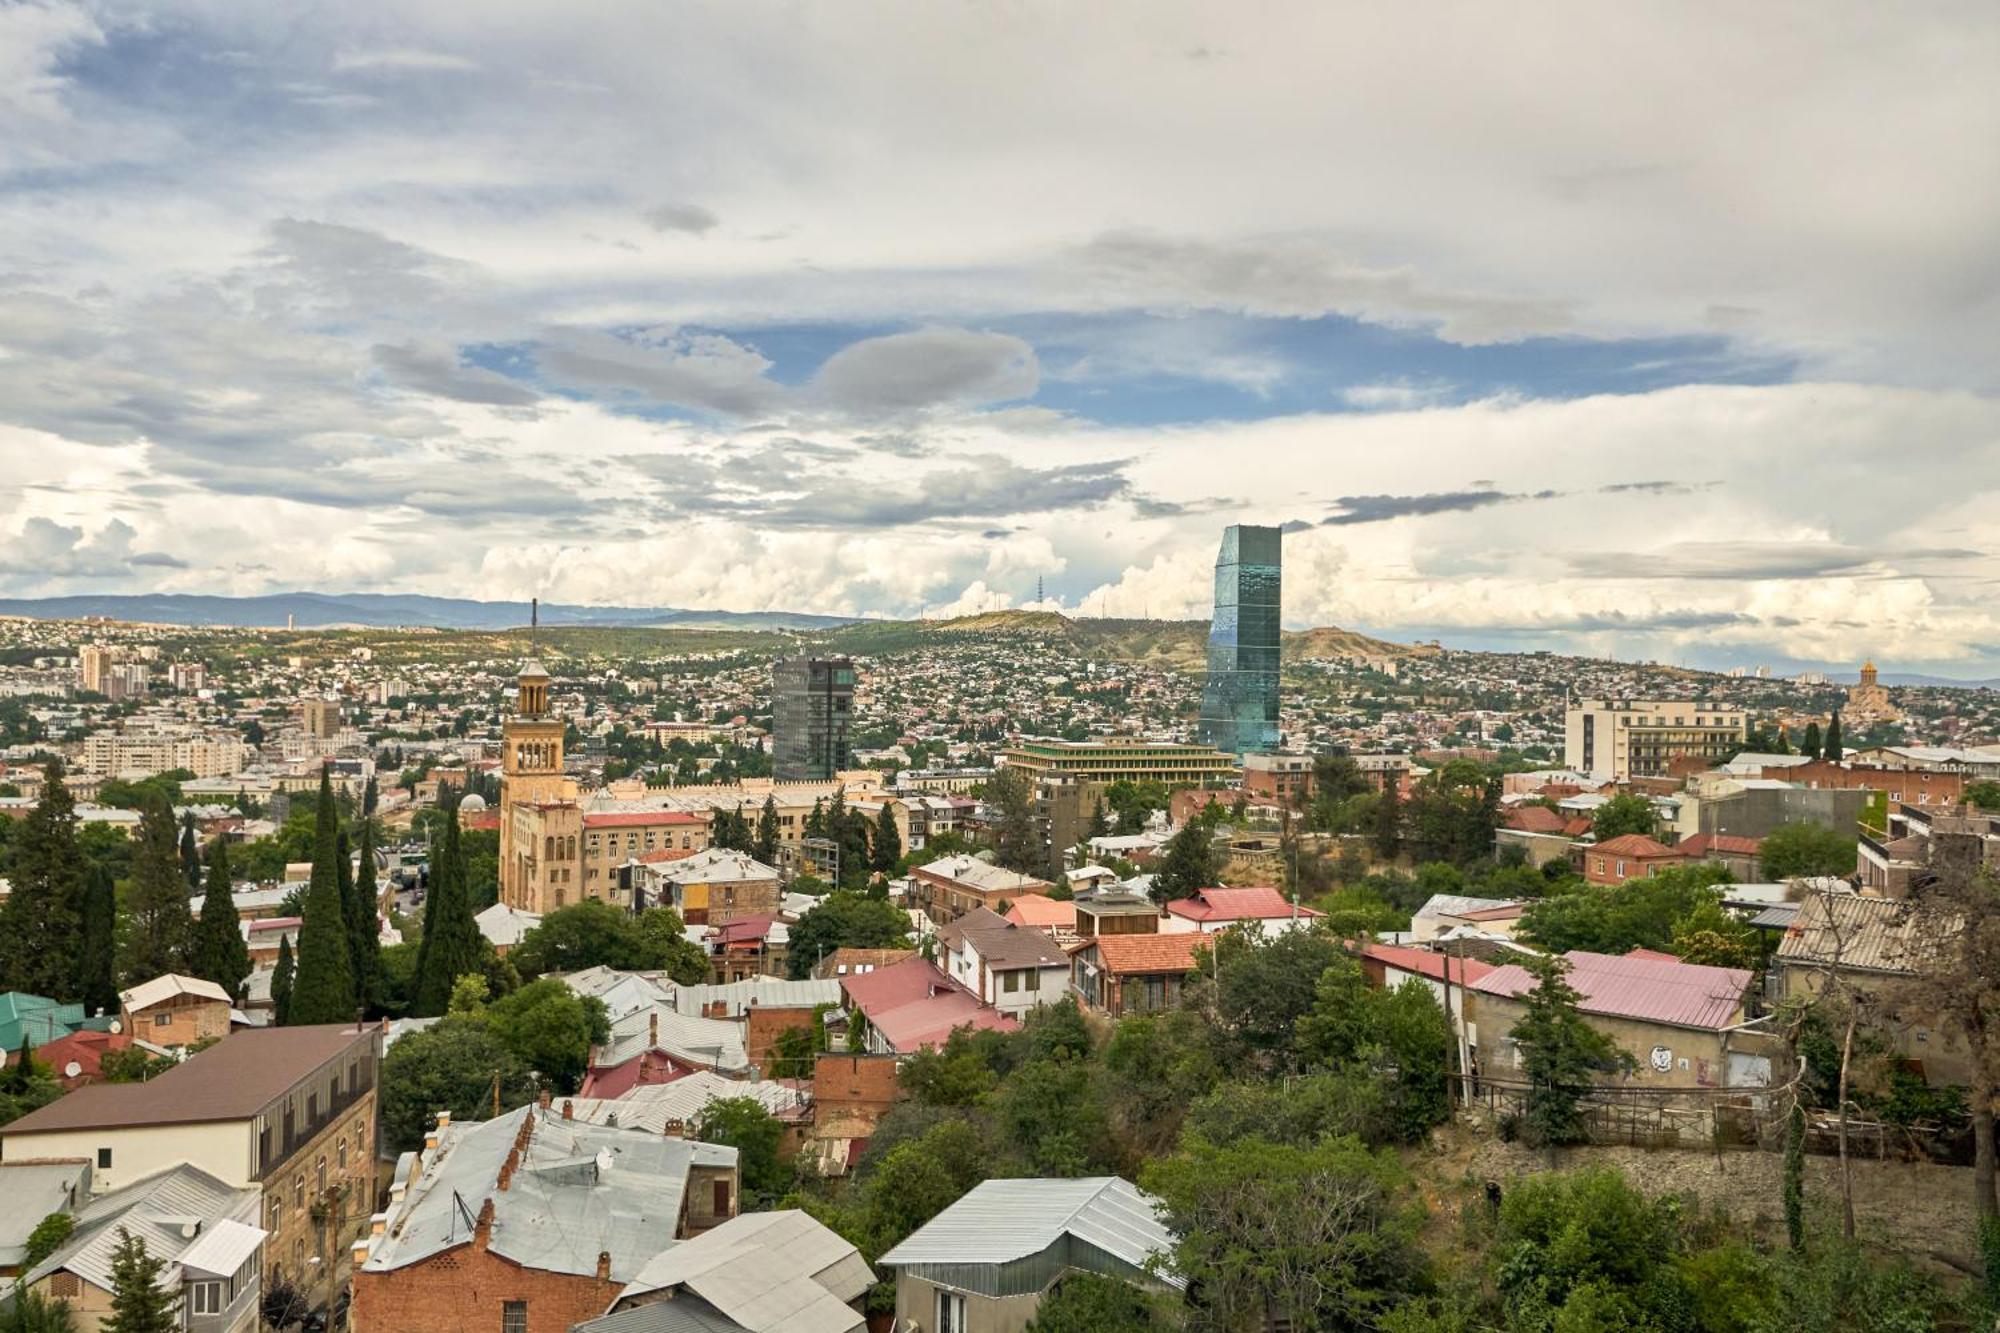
(138,1303)
(220,954)
(368,799)
(452,945)
(41,924)
(1795,1176)
(767,832)
(1809,746)
(888,847)
(364,926)
(97,954)
(190,853)
(1832,751)
(281,983)
(323,990)
(161,934)
(1389,818)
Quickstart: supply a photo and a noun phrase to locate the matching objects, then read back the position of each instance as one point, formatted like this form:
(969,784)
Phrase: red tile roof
(1636,846)
(642,819)
(1534,819)
(1236,905)
(1719,844)
(1130,955)
(1425,963)
(85,1049)
(1034,910)
(1671,992)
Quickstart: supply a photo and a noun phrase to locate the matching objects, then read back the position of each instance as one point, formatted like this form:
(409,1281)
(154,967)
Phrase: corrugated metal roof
(688,1314)
(712,1043)
(777,1272)
(221,1249)
(1000,1221)
(160,1210)
(149,993)
(1876,934)
(33,1190)
(1653,990)
(766,992)
(650,1106)
(1457,904)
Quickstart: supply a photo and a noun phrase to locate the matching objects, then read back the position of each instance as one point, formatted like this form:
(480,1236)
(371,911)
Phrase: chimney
(379,1223)
(507,1168)
(604,1265)
(653,1028)
(569,1109)
(359,1253)
(542,1099)
(482,1230)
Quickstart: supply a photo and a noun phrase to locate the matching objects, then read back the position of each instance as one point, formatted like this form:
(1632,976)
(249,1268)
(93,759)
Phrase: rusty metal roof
(1873,934)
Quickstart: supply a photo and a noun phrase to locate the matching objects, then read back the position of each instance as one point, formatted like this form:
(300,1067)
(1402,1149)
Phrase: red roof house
(1628,856)
(1211,910)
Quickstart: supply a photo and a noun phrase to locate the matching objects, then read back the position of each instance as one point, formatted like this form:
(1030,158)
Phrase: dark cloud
(928,367)
(692,218)
(1724,560)
(435,368)
(1658,487)
(1382,508)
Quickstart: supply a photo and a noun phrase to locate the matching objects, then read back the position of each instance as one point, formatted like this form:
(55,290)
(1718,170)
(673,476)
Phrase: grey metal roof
(581,1189)
(714,1043)
(33,1190)
(686,1314)
(1874,934)
(1000,1221)
(765,993)
(1457,904)
(777,1272)
(651,1105)
(1779,917)
(167,1210)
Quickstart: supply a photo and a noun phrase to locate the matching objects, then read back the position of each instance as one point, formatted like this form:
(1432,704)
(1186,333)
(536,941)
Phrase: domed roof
(474,802)
(533,670)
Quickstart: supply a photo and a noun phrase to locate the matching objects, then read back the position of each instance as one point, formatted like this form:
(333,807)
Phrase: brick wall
(189,1019)
(851,1092)
(290,1191)
(468,1287)
(1908,787)
(762,1026)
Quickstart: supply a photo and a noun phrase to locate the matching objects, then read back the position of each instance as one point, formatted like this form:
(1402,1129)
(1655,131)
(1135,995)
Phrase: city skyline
(1571,346)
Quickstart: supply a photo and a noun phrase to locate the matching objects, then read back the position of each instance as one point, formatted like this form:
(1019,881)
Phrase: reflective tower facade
(812,703)
(1239,702)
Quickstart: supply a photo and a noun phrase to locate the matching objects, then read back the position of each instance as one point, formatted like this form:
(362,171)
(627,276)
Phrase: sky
(1645,330)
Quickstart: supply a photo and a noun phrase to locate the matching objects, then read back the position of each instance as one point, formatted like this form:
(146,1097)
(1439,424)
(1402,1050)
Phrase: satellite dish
(72,1069)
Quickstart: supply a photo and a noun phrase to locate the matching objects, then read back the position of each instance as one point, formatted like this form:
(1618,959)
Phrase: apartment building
(1172,762)
(1622,739)
(144,753)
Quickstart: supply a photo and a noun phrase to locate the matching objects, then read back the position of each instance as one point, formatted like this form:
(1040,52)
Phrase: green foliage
(1616,919)
(1264,986)
(1985,795)
(1561,1053)
(887,844)
(1388,832)
(159,934)
(1318,1234)
(28,1311)
(323,990)
(1798,851)
(743,1124)
(1833,751)
(1451,814)
(41,922)
(766,847)
(1016,844)
(1626,813)
(593,933)
(97,947)
(451,945)
(138,1303)
(133,1064)
(794,1050)
(364,923)
(450,1067)
(1795,1176)
(1299,1110)
(844,920)
(1396,1041)
(220,954)
(283,975)
(1711,936)
(1133,803)
(1188,863)
(47,1237)
(550,1029)
(1089,1303)
(138,795)
(1156,1066)
(1587,1239)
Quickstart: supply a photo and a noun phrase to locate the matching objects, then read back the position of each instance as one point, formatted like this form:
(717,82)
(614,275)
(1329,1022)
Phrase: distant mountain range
(311,610)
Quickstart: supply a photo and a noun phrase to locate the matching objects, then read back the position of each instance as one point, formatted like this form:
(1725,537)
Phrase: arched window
(570,853)
(548,849)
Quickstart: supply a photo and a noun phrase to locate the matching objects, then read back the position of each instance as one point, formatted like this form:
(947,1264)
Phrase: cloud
(436,368)
(399,59)
(43,549)
(906,371)
(681,217)
(1382,508)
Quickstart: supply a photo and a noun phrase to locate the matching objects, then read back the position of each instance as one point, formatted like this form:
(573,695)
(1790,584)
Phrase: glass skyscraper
(812,702)
(1239,702)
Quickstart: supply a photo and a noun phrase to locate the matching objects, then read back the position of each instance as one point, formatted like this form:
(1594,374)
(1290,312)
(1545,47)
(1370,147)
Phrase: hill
(309,610)
(1173,644)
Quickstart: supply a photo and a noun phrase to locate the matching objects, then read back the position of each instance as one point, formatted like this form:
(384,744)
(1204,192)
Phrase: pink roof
(1236,905)
(746,929)
(640,818)
(1035,910)
(914,1006)
(1425,963)
(1688,995)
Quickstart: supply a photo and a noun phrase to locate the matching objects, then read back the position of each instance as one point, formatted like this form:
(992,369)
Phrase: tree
(283,974)
(550,1029)
(1585,1250)
(47,1237)
(1985,795)
(888,842)
(41,922)
(1638,914)
(220,955)
(1189,864)
(160,930)
(133,1064)
(1263,987)
(1091,1303)
(742,1123)
(767,832)
(190,853)
(1016,844)
(1389,818)
(97,951)
(452,945)
(364,925)
(844,920)
(1561,1054)
(1712,937)
(323,990)
(1810,745)
(1313,1235)
(1623,814)
(139,1304)
(29,1311)
(452,1066)
(593,933)
(1452,813)
(1795,1176)
(1799,851)
(1399,1038)
(1833,752)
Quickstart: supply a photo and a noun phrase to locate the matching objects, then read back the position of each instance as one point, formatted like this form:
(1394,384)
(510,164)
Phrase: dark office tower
(812,702)
(1239,702)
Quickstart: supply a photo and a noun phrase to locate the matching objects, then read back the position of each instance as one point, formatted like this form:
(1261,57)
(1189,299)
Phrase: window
(1012,981)
(722,1198)
(514,1317)
(205,1298)
(104,1159)
(163,1020)
(950,1312)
